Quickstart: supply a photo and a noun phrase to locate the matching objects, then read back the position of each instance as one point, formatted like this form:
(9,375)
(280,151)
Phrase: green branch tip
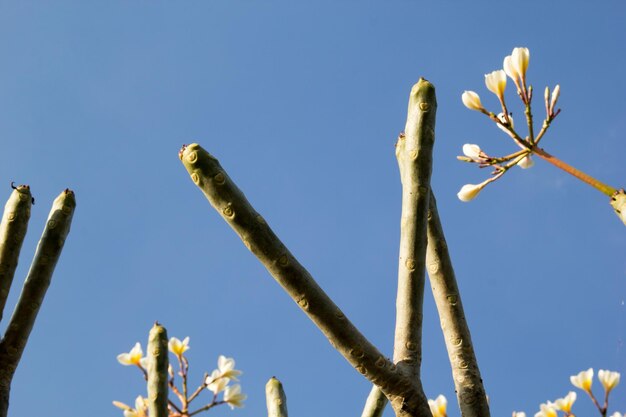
(158,362)
(12,233)
(275,398)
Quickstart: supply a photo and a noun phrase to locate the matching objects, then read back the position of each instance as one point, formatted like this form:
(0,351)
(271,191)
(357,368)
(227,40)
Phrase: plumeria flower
(526,162)
(140,410)
(565,404)
(618,414)
(506,121)
(177,347)
(469,192)
(216,382)
(472,101)
(472,151)
(226,367)
(496,83)
(555,97)
(516,64)
(438,406)
(133,357)
(519,414)
(608,379)
(583,380)
(547,410)
(234,397)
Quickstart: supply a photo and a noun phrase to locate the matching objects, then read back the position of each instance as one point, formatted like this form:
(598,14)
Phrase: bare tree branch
(467,381)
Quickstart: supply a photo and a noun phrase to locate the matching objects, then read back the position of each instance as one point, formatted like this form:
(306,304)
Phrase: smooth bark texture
(12,232)
(405,392)
(35,286)
(158,389)
(414,153)
(375,403)
(467,381)
(275,398)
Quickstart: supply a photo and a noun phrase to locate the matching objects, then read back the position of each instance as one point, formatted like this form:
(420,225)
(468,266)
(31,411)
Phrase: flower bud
(504,121)
(468,192)
(519,59)
(471,151)
(526,162)
(608,379)
(472,101)
(555,97)
(510,69)
(496,83)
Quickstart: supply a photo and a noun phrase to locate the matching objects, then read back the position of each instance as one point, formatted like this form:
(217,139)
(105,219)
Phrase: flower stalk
(515,67)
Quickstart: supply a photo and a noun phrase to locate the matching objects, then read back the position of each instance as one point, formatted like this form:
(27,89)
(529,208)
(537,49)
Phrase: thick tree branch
(275,398)
(414,153)
(35,286)
(467,381)
(12,233)
(158,390)
(207,173)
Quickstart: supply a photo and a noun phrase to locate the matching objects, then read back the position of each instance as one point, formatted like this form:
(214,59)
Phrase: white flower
(471,151)
(438,406)
(516,64)
(496,83)
(617,414)
(547,410)
(234,397)
(608,379)
(583,380)
(555,97)
(519,414)
(216,382)
(565,404)
(219,378)
(472,101)
(469,191)
(504,121)
(177,347)
(133,357)
(226,368)
(526,162)
(140,410)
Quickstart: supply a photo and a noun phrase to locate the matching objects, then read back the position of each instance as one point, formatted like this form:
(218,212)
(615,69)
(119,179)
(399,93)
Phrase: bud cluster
(515,67)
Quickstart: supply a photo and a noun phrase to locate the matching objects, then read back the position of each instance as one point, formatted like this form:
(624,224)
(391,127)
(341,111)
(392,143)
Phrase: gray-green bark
(158,390)
(375,403)
(12,232)
(467,381)
(35,286)
(207,173)
(275,398)
(414,153)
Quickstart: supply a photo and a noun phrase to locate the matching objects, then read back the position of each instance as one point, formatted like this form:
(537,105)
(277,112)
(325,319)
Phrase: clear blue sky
(302,104)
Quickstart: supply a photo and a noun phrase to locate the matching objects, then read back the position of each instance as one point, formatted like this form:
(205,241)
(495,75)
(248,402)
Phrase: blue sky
(302,104)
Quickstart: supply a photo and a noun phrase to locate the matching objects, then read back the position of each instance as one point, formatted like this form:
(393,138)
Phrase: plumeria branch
(468,382)
(36,283)
(515,67)
(161,379)
(206,172)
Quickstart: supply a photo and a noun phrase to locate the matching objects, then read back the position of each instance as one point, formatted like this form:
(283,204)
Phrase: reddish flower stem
(600,186)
